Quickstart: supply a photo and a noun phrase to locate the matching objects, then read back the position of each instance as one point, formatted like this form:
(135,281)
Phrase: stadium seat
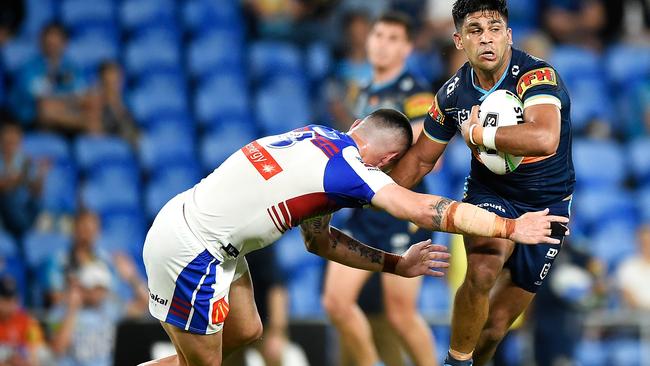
(457,159)
(43,145)
(60,189)
(166,144)
(157,98)
(17,52)
(39,245)
(590,100)
(294,256)
(269,59)
(113,186)
(643,200)
(523,13)
(318,60)
(638,153)
(598,163)
(438,182)
(123,231)
(166,183)
(155,50)
(136,15)
(594,206)
(576,63)
(11,263)
(625,351)
(37,14)
(93,151)
(225,52)
(613,242)
(204,16)
(220,98)
(282,105)
(75,13)
(434,297)
(426,66)
(627,64)
(219,143)
(89,50)
(304,290)
(591,352)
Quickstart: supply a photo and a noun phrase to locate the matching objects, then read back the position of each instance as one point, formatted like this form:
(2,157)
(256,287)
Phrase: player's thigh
(343,282)
(243,323)
(400,293)
(195,349)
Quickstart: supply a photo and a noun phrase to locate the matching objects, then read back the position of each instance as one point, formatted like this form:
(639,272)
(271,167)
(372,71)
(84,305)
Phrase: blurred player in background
(195,251)
(502,276)
(388,46)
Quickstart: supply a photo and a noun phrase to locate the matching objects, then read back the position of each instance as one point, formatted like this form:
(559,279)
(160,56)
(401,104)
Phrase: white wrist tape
(471,134)
(489,135)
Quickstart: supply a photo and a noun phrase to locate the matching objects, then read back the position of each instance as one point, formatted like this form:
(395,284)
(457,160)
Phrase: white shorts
(188,286)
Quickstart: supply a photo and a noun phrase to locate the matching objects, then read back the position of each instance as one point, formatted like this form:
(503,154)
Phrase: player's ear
(458,40)
(509,33)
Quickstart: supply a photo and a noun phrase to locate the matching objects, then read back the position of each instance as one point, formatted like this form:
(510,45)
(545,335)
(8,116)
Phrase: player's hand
(465,129)
(537,228)
(423,258)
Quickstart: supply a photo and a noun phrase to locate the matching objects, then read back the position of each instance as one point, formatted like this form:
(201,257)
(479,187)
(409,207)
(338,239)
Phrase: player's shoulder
(531,71)
(453,86)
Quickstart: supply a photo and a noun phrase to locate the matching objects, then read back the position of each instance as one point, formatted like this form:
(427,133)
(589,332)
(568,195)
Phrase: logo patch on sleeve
(541,76)
(435,112)
(417,105)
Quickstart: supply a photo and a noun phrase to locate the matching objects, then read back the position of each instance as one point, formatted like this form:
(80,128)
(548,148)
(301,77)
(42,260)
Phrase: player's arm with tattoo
(333,244)
(442,214)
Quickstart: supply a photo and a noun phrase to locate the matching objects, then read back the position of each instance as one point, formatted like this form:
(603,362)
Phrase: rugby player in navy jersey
(393,85)
(502,276)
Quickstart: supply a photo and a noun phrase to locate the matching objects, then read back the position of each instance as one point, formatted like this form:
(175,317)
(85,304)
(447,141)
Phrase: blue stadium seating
(11,263)
(282,105)
(643,199)
(220,98)
(457,159)
(75,13)
(158,97)
(627,64)
(124,231)
(112,186)
(16,52)
(38,246)
(166,183)
(37,14)
(93,151)
(136,15)
(576,63)
(153,50)
(304,289)
(42,145)
(91,49)
(269,59)
(294,255)
(434,297)
(60,189)
(591,352)
(318,61)
(213,52)
(598,163)
(595,206)
(218,144)
(638,156)
(590,100)
(613,242)
(166,144)
(204,16)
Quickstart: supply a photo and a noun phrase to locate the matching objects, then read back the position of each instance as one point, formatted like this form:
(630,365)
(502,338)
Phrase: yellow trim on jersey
(433,138)
(543,99)
(540,76)
(417,105)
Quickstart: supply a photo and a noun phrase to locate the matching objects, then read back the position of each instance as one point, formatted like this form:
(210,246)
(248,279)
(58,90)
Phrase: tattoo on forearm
(310,230)
(355,246)
(439,209)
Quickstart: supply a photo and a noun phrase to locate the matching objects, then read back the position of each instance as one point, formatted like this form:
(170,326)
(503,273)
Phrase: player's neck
(383,75)
(487,79)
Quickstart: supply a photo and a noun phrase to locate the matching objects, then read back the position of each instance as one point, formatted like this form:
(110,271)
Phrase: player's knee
(251,333)
(335,306)
(483,276)
(400,311)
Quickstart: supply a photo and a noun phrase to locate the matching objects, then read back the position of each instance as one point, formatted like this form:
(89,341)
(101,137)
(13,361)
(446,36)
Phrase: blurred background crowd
(111,107)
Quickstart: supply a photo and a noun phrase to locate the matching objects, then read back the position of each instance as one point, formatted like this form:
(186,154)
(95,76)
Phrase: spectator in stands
(633,274)
(51,91)
(21,337)
(12,13)
(63,267)
(116,118)
(83,328)
(21,183)
(576,21)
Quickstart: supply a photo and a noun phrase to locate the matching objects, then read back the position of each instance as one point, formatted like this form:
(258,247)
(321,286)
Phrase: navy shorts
(529,264)
(382,231)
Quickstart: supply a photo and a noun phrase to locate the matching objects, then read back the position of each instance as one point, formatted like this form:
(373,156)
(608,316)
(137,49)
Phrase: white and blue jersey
(196,245)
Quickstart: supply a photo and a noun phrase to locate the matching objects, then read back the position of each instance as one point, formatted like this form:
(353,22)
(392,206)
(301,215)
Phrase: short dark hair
(393,119)
(54,26)
(463,7)
(399,18)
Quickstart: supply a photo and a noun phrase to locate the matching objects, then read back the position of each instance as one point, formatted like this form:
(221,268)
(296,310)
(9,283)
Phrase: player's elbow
(546,144)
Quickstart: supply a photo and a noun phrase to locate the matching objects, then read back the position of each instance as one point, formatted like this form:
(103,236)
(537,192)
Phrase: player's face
(486,39)
(388,45)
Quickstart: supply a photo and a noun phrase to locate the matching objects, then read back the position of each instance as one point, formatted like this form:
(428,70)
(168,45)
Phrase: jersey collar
(495,87)
(376,87)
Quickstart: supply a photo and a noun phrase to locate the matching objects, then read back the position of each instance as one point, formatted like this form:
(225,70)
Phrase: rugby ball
(501,108)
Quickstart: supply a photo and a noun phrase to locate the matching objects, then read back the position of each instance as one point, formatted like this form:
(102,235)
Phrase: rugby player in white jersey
(194,252)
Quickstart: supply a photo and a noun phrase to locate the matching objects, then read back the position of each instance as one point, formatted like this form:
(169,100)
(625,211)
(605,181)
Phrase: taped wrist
(390,262)
(465,218)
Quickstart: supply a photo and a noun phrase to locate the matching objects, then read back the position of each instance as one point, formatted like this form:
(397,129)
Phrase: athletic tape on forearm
(464,218)
(390,262)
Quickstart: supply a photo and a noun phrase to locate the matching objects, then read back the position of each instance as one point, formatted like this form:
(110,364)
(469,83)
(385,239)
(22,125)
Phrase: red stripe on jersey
(310,205)
(182,316)
(329,143)
(261,160)
(285,214)
(181,301)
(268,210)
(183,310)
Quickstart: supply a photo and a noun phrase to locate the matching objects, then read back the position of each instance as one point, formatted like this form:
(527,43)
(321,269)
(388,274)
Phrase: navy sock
(451,361)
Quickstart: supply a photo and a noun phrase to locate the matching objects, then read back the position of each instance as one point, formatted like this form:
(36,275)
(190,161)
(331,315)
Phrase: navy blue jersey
(405,93)
(538,181)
